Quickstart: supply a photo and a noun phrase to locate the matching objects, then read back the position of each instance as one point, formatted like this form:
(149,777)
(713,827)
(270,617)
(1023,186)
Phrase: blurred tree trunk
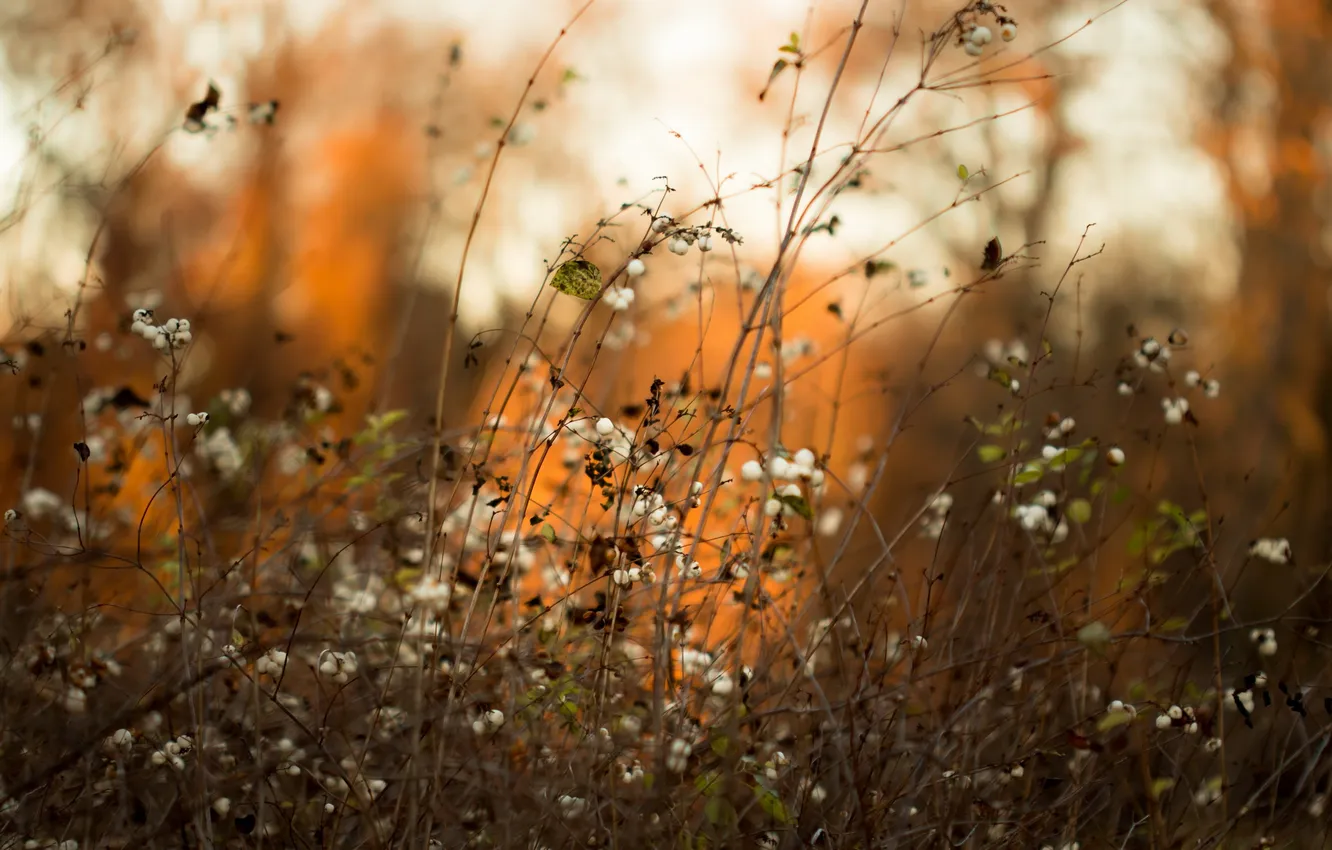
(1278,325)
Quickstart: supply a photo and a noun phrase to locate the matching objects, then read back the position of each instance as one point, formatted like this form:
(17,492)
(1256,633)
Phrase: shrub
(586,620)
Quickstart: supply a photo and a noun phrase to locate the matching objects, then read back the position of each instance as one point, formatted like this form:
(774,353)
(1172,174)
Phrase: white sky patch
(1147,76)
(1140,75)
(13,146)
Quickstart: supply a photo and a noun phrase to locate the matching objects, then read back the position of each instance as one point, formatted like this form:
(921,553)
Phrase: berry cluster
(973,35)
(173,333)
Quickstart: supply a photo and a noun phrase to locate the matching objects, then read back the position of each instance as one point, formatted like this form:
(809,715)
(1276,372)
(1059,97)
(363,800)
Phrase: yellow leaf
(578,278)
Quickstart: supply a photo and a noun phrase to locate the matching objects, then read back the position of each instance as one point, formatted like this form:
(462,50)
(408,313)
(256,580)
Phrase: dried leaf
(993,255)
(195,115)
(578,278)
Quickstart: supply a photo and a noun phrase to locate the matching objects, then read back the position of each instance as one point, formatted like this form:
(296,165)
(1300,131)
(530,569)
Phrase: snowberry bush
(662,620)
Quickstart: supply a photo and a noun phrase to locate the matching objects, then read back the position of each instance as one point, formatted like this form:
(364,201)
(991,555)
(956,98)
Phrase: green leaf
(962,172)
(1120,496)
(1007,424)
(798,504)
(707,783)
(578,278)
(386,420)
(772,805)
(1063,566)
(991,454)
(793,45)
(1157,554)
(1174,624)
(1141,539)
(1031,473)
(719,811)
(1066,564)
(1170,509)
(1080,511)
(1161,785)
(1064,457)
(1111,719)
(719,744)
(547,532)
(777,68)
